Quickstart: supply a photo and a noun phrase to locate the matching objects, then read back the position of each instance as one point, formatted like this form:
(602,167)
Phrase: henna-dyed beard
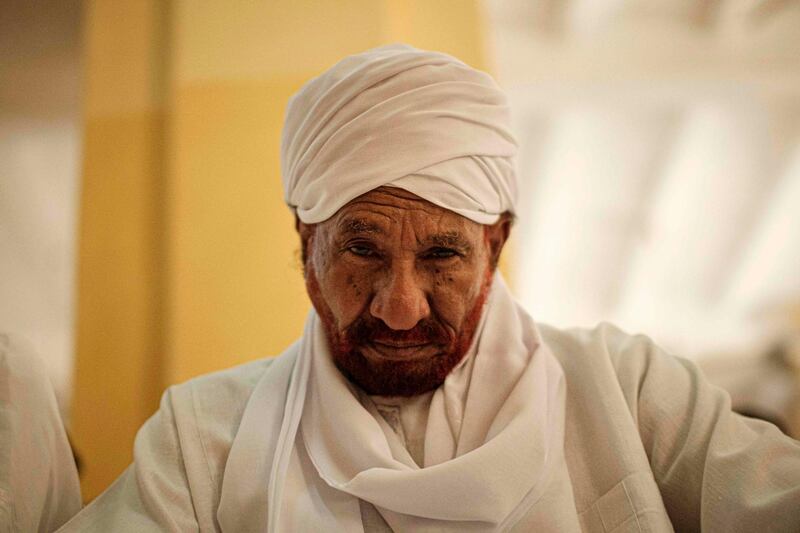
(388,377)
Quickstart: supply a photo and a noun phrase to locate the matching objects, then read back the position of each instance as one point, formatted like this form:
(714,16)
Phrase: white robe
(39,488)
(649,446)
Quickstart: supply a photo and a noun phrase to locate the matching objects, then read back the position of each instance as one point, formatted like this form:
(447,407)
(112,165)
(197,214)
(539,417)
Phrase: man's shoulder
(241,377)
(205,414)
(604,350)
(223,393)
(605,339)
(210,407)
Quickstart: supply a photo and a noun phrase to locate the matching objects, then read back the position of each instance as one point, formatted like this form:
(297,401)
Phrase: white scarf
(493,448)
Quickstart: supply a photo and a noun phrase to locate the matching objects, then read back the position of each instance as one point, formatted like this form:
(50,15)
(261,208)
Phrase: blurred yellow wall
(187,254)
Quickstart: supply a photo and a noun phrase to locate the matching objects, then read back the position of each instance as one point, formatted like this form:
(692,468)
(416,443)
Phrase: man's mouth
(399,350)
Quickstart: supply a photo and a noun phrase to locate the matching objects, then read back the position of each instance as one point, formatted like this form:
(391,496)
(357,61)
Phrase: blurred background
(144,240)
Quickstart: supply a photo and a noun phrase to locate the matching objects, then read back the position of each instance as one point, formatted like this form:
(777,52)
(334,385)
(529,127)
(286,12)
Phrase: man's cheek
(358,285)
(345,303)
(462,289)
(450,307)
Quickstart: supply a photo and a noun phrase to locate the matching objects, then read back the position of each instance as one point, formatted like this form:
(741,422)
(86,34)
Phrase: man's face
(399,284)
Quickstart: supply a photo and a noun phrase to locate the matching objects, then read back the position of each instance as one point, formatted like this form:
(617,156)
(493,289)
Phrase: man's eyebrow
(355,226)
(450,239)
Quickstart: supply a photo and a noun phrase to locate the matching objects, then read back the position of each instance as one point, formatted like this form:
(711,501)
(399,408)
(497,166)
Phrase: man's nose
(401,300)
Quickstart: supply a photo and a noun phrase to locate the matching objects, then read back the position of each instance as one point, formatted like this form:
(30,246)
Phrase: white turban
(400,117)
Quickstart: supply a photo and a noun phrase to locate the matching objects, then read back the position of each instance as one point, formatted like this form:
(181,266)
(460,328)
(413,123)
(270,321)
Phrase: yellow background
(187,255)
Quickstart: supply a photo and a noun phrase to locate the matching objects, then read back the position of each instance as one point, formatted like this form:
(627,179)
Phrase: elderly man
(421,396)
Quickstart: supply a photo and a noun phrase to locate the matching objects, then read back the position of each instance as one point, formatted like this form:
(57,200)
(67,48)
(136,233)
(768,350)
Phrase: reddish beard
(391,377)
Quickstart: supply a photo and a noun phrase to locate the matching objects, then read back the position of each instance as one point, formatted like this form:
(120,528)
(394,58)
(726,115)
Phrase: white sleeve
(153,494)
(39,487)
(717,470)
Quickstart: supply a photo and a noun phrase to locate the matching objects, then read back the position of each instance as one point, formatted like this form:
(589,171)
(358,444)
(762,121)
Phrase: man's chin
(388,377)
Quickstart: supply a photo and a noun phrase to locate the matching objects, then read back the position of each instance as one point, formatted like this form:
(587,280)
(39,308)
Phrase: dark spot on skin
(438,271)
(350,279)
(449,279)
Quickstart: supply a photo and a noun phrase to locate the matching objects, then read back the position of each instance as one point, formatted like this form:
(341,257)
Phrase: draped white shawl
(493,443)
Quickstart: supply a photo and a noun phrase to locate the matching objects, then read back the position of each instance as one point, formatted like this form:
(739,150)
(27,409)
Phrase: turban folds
(400,117)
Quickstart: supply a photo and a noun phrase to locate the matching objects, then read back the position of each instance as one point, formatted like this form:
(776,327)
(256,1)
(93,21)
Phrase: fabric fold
(390,115)
(507,448)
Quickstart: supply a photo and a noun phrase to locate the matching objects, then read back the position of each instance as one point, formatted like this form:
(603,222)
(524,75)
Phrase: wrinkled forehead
(385,210)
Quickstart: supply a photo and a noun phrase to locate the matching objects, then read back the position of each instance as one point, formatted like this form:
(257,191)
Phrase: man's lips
(390,343)
(401,351)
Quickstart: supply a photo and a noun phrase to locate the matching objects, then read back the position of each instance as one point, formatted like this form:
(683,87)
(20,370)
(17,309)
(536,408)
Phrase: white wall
(39,176)
(659,169)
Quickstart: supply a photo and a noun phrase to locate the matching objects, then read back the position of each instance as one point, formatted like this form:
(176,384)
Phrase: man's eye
(362,251)
(441,253)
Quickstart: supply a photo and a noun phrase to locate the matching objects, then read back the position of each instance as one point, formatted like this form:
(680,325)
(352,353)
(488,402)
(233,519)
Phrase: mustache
(368,329)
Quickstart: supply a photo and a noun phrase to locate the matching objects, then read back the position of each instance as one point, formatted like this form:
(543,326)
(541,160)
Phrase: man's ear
(497,235)
(306,233)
